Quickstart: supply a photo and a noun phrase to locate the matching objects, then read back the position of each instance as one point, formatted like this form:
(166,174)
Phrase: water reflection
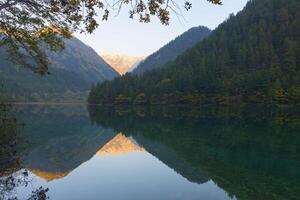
(120,144)
(250,153)
(12,175)
(158,153)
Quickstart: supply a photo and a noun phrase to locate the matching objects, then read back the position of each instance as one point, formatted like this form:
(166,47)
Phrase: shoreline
(46,103)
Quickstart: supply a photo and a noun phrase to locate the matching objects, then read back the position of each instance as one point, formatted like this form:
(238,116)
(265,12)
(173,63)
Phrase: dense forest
(173,49)
(252,57)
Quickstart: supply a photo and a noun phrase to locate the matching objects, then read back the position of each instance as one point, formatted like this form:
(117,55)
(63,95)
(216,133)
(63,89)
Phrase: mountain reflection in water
(158,153)
(120,144)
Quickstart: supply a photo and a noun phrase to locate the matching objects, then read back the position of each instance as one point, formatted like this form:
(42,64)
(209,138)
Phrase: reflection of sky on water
(133,175)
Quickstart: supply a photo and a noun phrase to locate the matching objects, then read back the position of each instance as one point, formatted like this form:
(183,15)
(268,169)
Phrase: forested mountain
(170,51)
(252,57)
(74,69)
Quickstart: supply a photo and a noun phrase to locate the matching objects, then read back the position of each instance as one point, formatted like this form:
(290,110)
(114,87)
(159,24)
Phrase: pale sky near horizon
(120,34)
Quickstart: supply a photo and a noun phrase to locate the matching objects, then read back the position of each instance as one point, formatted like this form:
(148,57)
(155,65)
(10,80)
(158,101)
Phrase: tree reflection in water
(250,152)
(11,173)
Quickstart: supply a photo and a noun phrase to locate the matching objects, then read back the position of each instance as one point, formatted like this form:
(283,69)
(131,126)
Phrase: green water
(162,153)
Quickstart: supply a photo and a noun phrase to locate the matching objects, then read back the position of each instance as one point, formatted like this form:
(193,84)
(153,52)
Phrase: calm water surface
(74,152)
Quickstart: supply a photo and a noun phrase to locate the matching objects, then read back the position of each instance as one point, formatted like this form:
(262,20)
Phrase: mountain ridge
(172,49)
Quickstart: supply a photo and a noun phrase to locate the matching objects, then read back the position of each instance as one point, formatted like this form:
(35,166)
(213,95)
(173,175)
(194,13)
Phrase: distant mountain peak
(122,63)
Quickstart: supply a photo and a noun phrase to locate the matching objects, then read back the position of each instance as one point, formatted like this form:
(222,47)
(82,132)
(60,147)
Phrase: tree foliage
(251,57)
(25,25)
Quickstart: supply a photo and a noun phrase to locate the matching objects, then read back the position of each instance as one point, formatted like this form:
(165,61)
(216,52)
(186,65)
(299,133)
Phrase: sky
(120,34)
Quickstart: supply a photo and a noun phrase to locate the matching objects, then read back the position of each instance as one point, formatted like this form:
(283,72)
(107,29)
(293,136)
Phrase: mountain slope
(252,57)
(73,69)
(170,51)
(120,62)
(82,59)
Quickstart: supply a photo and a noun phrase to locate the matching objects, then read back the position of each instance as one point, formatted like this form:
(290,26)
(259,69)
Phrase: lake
(77,152)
